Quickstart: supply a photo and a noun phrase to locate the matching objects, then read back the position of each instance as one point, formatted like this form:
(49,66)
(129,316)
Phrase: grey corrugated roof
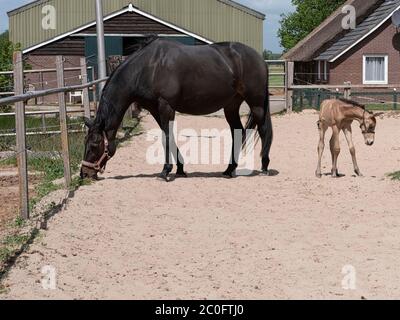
(377,17)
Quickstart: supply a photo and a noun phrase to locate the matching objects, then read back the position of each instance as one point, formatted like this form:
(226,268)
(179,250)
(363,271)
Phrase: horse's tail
(252,124)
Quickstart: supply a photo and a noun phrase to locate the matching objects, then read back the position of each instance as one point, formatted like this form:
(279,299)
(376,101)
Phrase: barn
(71,31)
(366,55)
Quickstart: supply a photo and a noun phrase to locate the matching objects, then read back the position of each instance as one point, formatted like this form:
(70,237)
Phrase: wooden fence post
(85,95)
(21,136)
(289,82)
(41,99)
(347,91)
(63,121)
(94,92)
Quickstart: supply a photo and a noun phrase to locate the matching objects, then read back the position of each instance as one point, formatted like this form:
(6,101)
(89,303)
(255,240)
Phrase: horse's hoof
(318,175)
(265,173)
(163,177)
(359,174)
(228,174)
(181,175)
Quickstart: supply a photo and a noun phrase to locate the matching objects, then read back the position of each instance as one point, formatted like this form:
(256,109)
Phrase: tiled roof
(380,15)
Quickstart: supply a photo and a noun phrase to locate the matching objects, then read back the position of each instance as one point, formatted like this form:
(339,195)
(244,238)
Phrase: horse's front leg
(166,117)
(348,133)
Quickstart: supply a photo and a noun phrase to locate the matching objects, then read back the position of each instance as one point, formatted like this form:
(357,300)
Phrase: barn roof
(364,29)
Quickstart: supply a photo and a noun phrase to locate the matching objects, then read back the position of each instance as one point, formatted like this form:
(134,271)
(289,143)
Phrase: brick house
(366,55)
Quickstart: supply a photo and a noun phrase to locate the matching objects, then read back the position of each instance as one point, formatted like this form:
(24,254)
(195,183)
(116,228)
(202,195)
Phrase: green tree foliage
(6,57)
(269,55)
(308,15)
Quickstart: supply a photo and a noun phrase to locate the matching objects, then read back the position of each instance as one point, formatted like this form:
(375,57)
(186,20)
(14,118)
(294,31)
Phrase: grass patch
(395,175)
(15,240)
(5,254)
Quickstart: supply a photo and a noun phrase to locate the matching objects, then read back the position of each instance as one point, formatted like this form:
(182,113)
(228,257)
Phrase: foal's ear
(88,122)
(378,114)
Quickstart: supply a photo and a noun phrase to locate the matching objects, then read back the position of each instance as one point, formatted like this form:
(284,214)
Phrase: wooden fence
(19,100)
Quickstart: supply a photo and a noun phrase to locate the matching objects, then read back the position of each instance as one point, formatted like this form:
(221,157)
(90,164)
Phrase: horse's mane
(352,102)
(107,108)
(136,48)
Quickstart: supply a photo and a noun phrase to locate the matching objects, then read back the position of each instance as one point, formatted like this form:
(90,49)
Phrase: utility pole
(101,49)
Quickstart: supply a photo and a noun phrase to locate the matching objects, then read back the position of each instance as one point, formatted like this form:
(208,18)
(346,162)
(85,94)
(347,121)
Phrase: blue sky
(272,9)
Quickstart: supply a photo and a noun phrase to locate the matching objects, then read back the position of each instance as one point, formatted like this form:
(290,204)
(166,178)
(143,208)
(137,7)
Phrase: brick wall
(349,67)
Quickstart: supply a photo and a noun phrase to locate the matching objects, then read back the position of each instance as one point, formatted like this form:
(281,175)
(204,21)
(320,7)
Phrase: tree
(6,61)
(268,55)
(308,15)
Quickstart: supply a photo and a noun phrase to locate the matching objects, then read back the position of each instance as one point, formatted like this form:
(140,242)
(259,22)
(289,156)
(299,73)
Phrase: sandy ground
(9,196)
(287,236)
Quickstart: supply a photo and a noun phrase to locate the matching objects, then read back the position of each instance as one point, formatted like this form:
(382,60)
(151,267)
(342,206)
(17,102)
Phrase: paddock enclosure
(285,236)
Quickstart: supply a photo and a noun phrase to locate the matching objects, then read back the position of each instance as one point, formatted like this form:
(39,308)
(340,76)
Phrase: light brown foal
(339,114)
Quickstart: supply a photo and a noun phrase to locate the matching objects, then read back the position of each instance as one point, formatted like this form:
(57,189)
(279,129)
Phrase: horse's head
(368,126)
(98,151)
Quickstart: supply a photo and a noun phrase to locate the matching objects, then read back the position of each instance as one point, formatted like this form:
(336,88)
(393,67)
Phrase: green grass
(381,107)
(395,175)
(276,80)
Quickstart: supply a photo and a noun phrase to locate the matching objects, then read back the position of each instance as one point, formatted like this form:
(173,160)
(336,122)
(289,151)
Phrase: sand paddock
(287,236)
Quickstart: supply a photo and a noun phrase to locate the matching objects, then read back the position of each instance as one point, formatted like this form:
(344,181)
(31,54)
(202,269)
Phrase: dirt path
(288,236)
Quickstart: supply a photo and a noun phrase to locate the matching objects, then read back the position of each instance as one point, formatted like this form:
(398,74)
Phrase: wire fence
(373,100)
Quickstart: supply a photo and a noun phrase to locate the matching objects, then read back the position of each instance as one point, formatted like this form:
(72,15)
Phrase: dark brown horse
(166,77)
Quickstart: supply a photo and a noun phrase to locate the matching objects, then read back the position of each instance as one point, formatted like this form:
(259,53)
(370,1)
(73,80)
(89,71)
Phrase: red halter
(106,155)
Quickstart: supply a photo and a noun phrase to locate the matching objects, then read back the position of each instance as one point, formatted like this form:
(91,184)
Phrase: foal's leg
(233,117)
(335,150)
(348,133)
(321,146)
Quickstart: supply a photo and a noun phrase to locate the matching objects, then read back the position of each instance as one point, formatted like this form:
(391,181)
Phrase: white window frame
(318,70)
(325,75)
(386,57)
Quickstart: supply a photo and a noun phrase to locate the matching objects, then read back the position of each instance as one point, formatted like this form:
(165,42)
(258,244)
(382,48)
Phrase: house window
(375,69)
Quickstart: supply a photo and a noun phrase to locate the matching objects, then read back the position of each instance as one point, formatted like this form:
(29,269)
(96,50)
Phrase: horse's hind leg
(264,125)
(322,130)
(233,117)
(335,150)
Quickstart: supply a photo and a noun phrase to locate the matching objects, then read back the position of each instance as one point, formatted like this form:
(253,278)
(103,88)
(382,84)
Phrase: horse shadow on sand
(191,175)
